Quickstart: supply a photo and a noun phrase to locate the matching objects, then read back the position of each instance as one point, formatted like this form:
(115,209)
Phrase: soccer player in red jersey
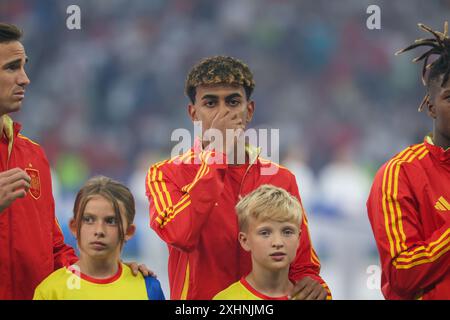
(409,203)
(193,196)
(31,242)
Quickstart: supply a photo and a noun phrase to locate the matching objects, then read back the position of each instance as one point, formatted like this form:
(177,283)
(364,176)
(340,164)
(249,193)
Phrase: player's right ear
(192,112)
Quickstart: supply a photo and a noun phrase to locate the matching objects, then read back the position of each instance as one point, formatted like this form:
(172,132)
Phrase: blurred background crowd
(105,100)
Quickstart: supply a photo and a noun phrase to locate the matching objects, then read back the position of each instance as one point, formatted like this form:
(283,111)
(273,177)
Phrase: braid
(439,45)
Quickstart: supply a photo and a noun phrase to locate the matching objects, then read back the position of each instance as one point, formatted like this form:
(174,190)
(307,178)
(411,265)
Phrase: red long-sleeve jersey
(192,208)
(31,242)
(409,210)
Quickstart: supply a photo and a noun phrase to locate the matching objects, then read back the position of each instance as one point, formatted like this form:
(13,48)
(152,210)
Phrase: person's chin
(277,265)
(15,107)
(99,254)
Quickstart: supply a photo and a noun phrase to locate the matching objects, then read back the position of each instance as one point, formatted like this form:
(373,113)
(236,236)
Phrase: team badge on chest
(35,184)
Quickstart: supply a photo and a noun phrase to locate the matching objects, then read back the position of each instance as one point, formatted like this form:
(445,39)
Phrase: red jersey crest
(35,184)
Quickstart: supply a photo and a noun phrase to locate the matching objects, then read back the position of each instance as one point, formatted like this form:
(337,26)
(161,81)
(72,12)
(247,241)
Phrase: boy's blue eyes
(286,232)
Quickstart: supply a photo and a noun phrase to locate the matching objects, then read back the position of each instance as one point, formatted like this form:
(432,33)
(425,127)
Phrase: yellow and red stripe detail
(158,189)
(185,290)
(443,203)
(391,208)
(405,259)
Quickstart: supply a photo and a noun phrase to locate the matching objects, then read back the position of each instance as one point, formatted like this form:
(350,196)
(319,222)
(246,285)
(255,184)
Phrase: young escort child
(104,211)
(269,221)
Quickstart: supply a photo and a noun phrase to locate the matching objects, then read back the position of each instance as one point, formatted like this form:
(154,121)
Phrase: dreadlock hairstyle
(439,45)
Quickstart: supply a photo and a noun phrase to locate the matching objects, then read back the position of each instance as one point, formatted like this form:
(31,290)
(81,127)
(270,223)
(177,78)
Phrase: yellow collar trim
(8,128)
(429,139)
(253,152)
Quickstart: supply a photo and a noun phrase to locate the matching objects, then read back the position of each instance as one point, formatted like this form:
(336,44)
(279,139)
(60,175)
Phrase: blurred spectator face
(13,78)
(211,102)
(439,110)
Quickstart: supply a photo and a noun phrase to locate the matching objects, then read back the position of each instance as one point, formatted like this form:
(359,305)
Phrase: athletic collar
(252,151)
(438,152)
(95,280)
(247,286)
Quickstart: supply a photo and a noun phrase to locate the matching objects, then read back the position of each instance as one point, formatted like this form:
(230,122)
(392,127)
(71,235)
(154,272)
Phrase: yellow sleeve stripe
(185,200)
(185,289)
(182,158)
(429,249)
(200,173)
(155,184)
(444,203)
(429,257)
(171,217)
(325,286)
(152,185)
(155,187)
(423,254)
(167,212)
(314,258)
(439,206)
(389,195)
(164,188)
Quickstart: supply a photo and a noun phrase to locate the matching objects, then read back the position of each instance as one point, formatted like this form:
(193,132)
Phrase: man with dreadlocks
(409,204)
(193,196)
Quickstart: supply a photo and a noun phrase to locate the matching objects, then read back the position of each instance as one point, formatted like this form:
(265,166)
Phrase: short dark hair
(219,70)
(9,32)
(440,46)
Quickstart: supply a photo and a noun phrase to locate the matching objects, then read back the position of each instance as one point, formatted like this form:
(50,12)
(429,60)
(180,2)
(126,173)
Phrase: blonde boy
(269,223)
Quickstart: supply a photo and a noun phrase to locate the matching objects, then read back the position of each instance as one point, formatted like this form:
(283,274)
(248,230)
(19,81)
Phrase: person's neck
(440,141)
(98,268)
(268,282)
(237,157)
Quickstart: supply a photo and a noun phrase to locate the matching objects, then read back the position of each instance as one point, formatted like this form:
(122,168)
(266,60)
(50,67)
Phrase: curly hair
(219,70)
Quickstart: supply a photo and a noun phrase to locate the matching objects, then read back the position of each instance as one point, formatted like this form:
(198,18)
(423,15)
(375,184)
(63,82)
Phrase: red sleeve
(178,214)
(63,254)
(410,261)
(306,262)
